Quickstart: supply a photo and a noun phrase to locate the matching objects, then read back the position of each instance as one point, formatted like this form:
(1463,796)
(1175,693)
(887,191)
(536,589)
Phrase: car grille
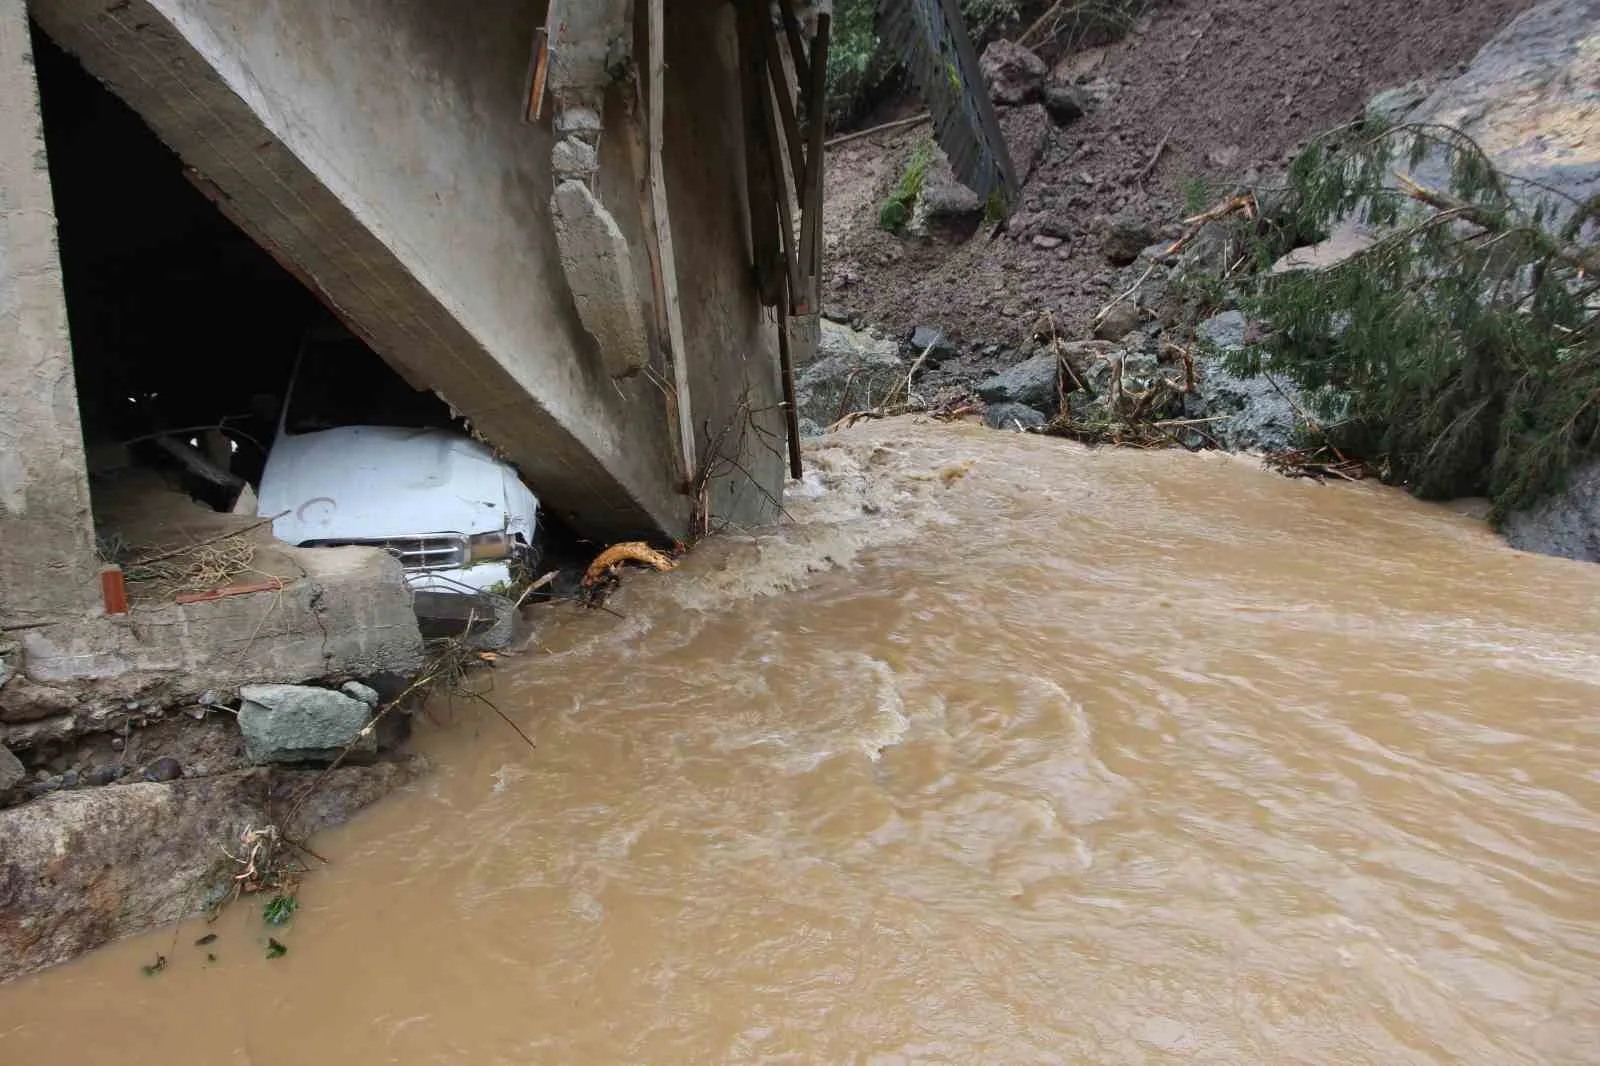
(442,551)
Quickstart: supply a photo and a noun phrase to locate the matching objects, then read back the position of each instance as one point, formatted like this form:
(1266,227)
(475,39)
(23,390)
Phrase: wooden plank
(811,193)
(538,68)
(780,92)
(638,155)
(760,177)
(797,50)
(669,270)
(791,406)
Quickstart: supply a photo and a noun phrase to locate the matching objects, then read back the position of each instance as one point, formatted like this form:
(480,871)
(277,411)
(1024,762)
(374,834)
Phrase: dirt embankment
(1227,88)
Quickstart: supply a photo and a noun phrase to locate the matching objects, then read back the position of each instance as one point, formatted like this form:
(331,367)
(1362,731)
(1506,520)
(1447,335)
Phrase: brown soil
(1236,85)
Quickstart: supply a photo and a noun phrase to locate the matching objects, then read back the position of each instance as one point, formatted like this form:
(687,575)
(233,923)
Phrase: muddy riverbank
(1002,750)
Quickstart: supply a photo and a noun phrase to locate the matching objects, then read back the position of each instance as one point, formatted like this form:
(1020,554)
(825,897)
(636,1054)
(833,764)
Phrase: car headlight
(486,546)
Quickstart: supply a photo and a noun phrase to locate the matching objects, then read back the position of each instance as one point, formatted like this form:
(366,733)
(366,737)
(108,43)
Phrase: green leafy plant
(279,909)
(1196,195)
(275,949)
(895,210)
(1462,344)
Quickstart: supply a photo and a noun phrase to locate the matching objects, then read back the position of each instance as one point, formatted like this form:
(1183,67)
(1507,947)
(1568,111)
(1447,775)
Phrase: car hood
(374,482)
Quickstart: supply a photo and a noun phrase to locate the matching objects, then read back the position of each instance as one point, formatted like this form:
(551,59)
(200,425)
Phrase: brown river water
(1002,751)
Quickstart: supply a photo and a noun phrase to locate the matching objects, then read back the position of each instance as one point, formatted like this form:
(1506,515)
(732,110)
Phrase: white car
(361,458)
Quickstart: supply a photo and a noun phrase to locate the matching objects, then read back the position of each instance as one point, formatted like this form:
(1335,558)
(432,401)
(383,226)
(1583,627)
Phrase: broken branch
(1196,223)
(898,123)
(1586,259)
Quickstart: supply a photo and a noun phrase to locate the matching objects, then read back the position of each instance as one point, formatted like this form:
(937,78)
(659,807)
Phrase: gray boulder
(298,723)
(1125,238)
(1013,74)
(82,868)
(944,206)
(1529,98)
(1567,525)
(855,373)
(1391,106)
(12,772)
(1065,103)
(926,338)
(1263,419)
(1121,320)
(365,693)
(1013,415)
(1031,382)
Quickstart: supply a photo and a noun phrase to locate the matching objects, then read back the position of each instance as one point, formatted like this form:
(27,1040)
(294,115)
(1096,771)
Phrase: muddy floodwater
(1002,751)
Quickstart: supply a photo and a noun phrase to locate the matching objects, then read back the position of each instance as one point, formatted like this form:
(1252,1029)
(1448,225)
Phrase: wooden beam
(669,270)
(791,406)
(797,51)
(780,92)
(761,179)
(810,194)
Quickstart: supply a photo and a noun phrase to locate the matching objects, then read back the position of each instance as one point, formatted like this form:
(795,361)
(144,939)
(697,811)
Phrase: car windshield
(342,382)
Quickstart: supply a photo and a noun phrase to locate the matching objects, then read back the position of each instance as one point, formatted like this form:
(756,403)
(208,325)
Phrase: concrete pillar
(47,563)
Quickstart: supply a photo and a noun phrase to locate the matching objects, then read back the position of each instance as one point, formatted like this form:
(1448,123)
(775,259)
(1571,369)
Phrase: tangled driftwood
(608,562)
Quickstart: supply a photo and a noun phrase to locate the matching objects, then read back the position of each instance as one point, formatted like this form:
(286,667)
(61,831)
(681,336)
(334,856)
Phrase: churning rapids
(1003,751)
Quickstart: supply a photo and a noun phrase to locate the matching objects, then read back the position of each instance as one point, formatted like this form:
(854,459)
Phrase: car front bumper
(461,596)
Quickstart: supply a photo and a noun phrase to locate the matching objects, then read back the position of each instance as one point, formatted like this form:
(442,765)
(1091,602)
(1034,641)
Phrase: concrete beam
(377,148)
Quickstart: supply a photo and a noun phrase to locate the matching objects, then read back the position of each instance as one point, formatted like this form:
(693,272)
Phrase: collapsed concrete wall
(379,149)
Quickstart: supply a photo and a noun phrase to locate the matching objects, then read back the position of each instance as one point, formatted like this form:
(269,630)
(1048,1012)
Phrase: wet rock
(1125,238)
(1013,74)
(1566,525)
(933,341)
(1122,319)
(12,772)
(167,769)
(91,866)
(1263,419)
(1391,106)
(1056,226)
(100,775)
(343,793)
(357,691)
(1013,415)
(1065,103)
(298,723)
(944,207)
(1528,98)
(855,373)
(1031,382)
(1225,331)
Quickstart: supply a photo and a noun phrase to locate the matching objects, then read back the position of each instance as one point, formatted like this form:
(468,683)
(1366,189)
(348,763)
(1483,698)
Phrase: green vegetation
(859,66)
(1196,195)
(279,909)
(895,211)
(860,69)
(275,950)
(1462,345)
(856,63)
